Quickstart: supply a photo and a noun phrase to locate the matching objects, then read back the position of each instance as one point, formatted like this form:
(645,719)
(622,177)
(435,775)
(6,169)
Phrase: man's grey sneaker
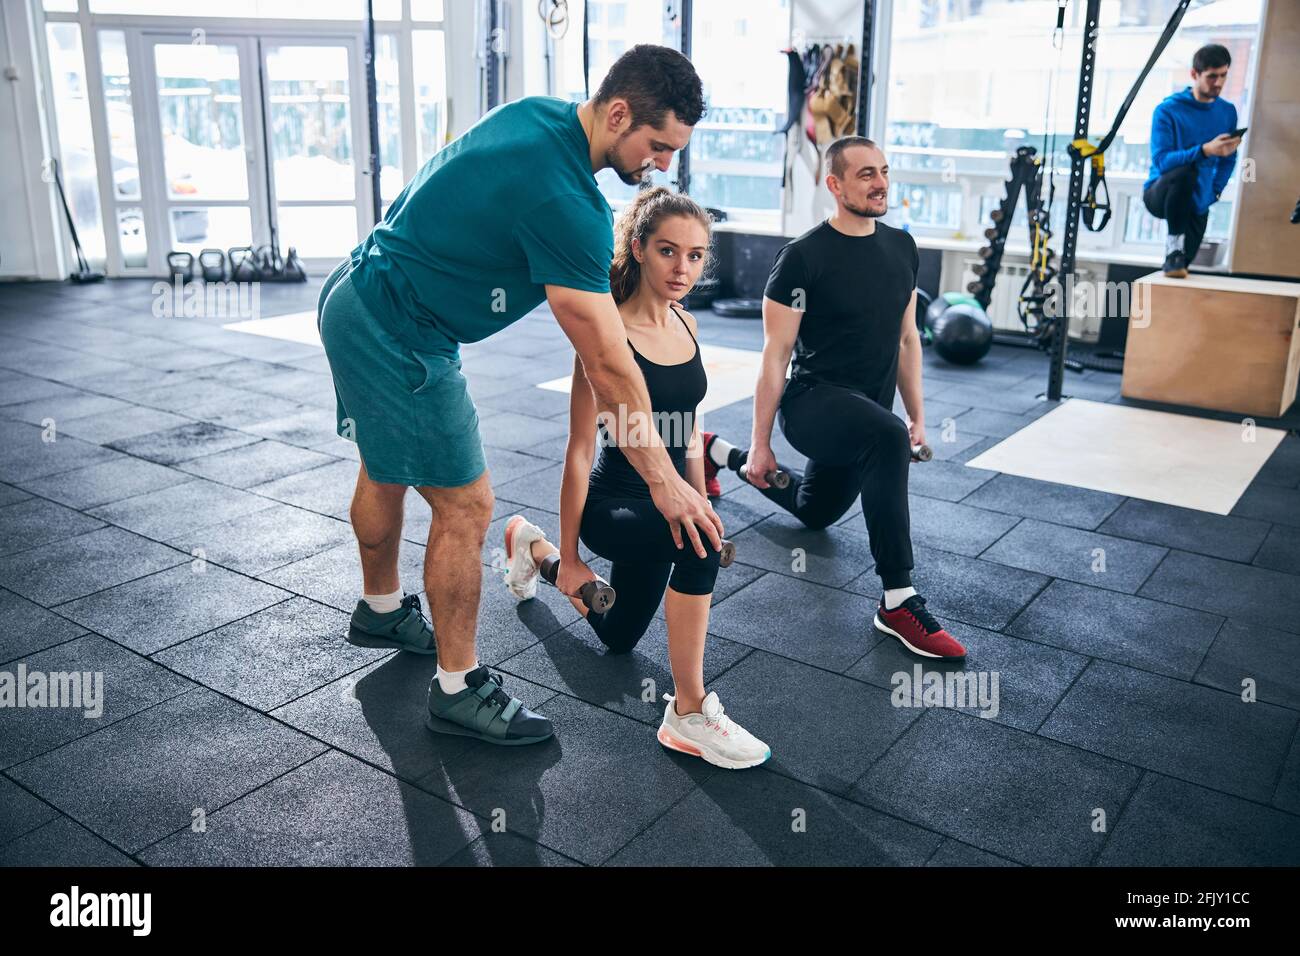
(484,711)
(406,629)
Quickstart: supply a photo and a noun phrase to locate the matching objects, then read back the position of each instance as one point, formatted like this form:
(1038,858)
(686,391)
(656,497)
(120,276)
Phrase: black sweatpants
(1170,198)
(635,537)
(854,446)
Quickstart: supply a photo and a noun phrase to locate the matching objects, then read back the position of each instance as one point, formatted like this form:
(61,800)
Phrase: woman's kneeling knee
(693,574)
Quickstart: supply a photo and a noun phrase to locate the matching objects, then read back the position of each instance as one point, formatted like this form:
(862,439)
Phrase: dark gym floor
(186,535)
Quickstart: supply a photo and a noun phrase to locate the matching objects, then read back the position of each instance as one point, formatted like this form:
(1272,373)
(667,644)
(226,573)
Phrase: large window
(221,103)
(69,89)
(278,9)
(971,81)
(429,65)
(128,212)
(736,155)
(613,28)
(388,98)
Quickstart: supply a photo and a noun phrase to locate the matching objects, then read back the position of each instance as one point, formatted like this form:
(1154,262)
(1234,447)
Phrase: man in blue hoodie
(1193,153)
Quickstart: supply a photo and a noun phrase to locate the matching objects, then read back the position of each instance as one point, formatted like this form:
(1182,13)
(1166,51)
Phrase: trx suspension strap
(586,50)
(1092,205)
(1042,269)
(1027,173)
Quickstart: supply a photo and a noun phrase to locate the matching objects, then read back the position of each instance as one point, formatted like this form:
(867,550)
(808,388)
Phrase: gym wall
(1265,242)
(31,245)
(744,261)
(809,202)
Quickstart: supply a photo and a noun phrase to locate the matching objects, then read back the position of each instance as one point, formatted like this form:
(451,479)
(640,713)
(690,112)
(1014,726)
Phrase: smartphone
(1238,133)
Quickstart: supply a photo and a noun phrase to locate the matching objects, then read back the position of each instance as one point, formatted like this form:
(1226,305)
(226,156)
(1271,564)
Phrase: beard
(633,176)
(868,212)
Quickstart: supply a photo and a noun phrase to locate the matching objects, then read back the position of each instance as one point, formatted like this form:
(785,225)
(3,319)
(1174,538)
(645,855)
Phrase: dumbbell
(597,595)
(922,453)
(728,553)
(777,478)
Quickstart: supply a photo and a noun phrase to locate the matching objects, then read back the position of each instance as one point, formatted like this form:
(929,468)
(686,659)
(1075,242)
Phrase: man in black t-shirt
(842,298)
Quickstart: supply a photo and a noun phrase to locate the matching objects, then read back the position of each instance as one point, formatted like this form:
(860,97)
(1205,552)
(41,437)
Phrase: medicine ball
(961,331)
(941,302)
(923,301)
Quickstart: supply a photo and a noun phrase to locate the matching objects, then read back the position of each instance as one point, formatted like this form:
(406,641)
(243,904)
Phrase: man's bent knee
(467,508)
(378,490)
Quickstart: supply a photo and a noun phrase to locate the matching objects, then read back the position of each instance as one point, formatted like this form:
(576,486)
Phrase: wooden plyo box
(1216,342)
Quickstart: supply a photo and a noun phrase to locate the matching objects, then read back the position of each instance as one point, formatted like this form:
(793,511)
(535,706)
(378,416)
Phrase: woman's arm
(695,448)
(578,456)
(695,460)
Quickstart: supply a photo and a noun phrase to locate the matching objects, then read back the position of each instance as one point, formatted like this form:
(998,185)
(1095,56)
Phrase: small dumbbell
(597,595)
(922,453)
(728,553)
(777,478)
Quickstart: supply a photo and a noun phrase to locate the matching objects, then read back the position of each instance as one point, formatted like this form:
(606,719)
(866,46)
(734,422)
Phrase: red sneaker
(919,632)
(712,487)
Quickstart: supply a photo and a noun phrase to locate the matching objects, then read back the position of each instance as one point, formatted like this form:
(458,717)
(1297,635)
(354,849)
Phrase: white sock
(1174,243)
(896,596)
(453,682)
(719,450)
(384,603)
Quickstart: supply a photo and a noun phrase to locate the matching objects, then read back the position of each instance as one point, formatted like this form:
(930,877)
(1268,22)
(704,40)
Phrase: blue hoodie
(1179,126)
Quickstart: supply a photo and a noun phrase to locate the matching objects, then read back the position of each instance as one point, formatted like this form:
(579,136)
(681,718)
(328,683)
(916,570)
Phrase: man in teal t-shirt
(505,217)
(469,245)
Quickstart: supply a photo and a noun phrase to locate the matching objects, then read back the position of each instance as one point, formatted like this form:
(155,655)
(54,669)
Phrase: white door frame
(153,186)
(141,31)
(251,46)
(360,133)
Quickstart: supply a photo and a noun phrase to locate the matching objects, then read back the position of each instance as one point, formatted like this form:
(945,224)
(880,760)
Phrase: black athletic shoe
(484,711)
(1176,265)
(406,629)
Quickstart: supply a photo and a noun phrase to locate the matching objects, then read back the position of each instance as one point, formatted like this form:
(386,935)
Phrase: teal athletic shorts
(408,411)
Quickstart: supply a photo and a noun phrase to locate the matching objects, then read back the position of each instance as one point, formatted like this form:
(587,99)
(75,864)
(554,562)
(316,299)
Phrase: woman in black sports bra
(661,244)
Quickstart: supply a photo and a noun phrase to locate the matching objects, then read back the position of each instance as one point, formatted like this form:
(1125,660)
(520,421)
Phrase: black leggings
(1170,198)
(854,446)
(634,536)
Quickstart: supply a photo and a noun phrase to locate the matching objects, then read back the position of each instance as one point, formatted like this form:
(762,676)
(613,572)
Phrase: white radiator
(1085,316)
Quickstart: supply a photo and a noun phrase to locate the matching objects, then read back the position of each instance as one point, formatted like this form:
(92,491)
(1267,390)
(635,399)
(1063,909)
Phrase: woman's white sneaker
(711,735)
(521,569)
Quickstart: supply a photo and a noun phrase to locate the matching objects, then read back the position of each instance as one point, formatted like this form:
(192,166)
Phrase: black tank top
(675,392)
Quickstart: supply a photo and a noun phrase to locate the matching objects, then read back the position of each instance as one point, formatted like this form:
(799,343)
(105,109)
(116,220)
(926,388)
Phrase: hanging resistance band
(1092,205)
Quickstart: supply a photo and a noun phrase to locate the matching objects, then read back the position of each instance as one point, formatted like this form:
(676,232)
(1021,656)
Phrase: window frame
(136,29)
(1110,244)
